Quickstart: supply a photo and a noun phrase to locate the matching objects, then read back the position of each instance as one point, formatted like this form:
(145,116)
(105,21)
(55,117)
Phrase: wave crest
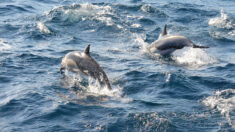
(224,21)
(79,12)
(43,28)
(223,27)
(224,102)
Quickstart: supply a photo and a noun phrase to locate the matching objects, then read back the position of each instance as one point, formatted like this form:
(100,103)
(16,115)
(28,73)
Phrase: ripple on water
(152,96)
(3,45)
(143,122)
(12,9)
(224,102)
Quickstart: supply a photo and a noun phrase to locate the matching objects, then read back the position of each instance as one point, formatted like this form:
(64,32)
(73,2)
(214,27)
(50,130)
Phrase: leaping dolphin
(82,62)
(166,44)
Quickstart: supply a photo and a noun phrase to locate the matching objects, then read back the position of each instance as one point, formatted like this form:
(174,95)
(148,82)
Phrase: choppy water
(194,90)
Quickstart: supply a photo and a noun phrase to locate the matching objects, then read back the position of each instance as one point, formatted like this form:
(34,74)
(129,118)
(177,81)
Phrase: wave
(224,102)
(12,9)
(80,12)
(43,28)
(223,27)
(224,21)
(149,121)
(105,17)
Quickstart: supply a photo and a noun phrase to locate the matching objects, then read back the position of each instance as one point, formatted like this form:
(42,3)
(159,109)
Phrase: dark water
(194,90)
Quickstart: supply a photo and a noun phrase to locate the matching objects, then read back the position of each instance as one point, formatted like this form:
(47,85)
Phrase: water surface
(194,90)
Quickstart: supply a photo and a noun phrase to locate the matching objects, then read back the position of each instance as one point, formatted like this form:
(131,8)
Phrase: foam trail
(224,102)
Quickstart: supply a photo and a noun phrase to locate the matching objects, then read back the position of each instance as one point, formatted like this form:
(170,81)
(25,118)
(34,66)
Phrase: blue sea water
(193,91)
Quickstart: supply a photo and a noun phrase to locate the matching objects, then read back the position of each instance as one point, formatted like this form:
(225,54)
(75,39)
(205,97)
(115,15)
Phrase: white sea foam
(150,121)
(43,28)
(93,88)
(232,33)
(193,57)
(146,8)
(78,92)
(168,77)
(3,45)
(97,89)
(224,21)
(84,12)
(136,25)
(224,102)
(139,40)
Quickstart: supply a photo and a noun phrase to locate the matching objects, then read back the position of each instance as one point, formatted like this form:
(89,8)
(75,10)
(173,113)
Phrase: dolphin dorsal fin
(164,32)
(87,50)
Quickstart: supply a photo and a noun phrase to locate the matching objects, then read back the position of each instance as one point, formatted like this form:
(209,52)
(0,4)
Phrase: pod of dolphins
(83,63)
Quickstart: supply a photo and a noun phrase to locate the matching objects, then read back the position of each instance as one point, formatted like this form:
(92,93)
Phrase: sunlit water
(193,90)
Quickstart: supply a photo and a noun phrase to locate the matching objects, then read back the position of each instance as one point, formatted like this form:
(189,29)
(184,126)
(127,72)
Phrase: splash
(91,93)
(223,27)
(96,89)
(224,21)
(87,86)
(43,28)
(193,57)
(168,77)
(189,57)
(139,40)
(224,102)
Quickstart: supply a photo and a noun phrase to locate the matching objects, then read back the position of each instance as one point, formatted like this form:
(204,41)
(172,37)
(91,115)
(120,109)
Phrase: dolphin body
(167,44)
(82,62)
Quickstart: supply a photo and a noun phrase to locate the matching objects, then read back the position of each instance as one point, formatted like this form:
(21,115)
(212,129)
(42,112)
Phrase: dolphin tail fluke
(104,80)
(107,83)
(198,46)
(109,86)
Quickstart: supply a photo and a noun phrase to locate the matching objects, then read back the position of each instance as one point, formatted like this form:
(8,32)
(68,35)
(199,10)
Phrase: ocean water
(192,91)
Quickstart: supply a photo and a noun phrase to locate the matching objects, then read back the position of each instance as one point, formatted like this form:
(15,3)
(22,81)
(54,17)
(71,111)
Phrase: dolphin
(83,63)
(167,44)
